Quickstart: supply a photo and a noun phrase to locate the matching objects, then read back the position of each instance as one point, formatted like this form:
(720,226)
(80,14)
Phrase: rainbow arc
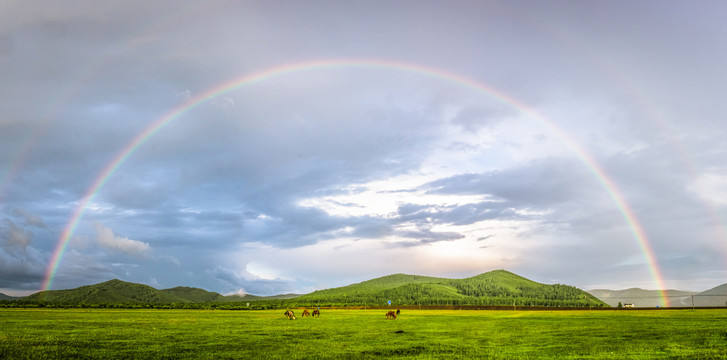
(159,124)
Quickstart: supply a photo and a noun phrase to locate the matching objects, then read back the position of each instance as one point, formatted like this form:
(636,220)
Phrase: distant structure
(628,305)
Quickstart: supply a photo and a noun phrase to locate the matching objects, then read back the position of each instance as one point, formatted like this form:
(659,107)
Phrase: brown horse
(305,313)
(316,313)
(397,311)
(290,314)
(391,315)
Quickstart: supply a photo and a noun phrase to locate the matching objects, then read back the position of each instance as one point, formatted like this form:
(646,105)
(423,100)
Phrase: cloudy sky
(569,142)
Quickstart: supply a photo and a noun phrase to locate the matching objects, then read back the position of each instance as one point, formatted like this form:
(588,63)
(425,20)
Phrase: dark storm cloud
(21,265)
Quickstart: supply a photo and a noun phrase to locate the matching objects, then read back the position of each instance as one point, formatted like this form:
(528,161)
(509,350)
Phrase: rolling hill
(121,292)
(109,292)
(641,297)
(716,296)
(249,297)
(494,288)
(196,295)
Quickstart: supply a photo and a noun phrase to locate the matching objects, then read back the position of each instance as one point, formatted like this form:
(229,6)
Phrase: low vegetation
(360,334)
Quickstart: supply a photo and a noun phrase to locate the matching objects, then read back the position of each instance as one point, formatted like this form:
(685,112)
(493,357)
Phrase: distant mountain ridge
(712,297)
(112,291)
(195,295)
(8,297)
(494,288)
(638,297)
(121,292)
(716,296)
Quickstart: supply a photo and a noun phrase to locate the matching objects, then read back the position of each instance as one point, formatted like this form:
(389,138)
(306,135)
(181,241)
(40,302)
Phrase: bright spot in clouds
(383,198)
(711,188)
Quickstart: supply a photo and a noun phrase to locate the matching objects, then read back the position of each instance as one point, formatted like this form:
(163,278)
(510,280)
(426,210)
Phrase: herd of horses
(317,313)
(291,315)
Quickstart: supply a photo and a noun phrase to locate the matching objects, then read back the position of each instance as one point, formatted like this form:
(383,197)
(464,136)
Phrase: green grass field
(199,334)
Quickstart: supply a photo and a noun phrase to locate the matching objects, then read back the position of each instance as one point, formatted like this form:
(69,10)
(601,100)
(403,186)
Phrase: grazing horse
(398,311)
(305,313)
(391,315)
(316,313)
(290,314)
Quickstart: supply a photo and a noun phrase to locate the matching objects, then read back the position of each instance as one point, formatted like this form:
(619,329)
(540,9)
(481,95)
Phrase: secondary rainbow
(251,79)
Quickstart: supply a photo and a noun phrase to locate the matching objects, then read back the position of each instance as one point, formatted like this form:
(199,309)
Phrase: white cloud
(382,198)
(106,237)
(261,271)
(711,188)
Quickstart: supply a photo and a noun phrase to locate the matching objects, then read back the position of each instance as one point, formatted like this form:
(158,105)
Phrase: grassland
(200,334)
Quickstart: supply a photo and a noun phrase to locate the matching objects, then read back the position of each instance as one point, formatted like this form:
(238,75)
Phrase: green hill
(194,295)
(494,288)
(109,292)
(121,292)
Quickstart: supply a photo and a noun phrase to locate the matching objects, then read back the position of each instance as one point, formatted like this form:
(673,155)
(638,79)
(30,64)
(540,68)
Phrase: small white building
(628,305)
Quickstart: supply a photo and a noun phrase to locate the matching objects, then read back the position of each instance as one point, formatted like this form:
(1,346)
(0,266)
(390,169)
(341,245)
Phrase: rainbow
(257,77)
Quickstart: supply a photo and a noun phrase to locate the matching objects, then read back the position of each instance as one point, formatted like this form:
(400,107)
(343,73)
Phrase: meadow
(356,334)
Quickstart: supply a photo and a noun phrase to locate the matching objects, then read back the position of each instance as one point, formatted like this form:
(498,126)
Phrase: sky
(270,147)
